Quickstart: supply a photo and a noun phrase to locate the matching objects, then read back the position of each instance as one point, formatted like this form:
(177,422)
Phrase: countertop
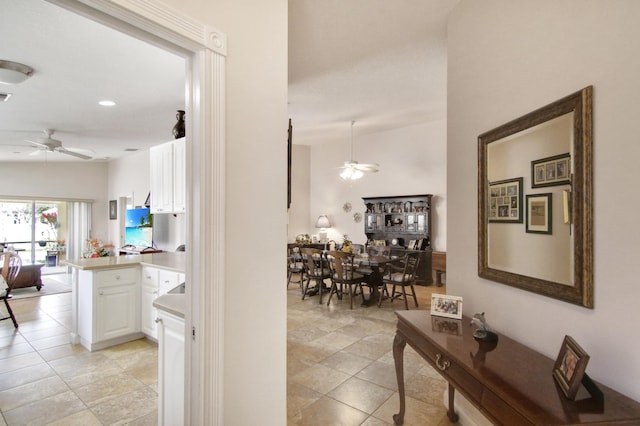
(172,303)
(173,261)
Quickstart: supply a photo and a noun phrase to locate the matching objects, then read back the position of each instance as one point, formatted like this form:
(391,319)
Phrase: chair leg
(13,317)
(404,296)
(320,284)
(305,288)
(332,290)
(415,298)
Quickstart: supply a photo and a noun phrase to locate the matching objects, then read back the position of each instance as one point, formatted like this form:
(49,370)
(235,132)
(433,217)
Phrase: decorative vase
(178,129)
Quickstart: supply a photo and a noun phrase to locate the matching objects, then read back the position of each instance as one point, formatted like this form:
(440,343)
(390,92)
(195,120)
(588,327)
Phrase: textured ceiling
(77,63)
(380,63)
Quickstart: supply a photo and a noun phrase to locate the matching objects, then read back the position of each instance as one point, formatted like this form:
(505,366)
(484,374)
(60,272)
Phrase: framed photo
(551,171)
(570,367)
(505,201)
(113,209)
(539,213)
(444,305)
(412,245)
(447,326)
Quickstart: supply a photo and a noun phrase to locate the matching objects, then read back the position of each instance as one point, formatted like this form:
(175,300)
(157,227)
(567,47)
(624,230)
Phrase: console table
(508,382)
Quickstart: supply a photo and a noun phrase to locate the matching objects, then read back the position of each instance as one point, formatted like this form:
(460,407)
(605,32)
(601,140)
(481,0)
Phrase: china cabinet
(404,223)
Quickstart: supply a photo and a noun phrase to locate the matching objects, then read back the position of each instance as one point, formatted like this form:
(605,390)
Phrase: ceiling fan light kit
(14,72)
(354,170)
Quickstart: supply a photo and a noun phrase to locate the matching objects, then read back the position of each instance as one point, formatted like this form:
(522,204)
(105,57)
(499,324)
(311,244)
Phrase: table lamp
(323,223)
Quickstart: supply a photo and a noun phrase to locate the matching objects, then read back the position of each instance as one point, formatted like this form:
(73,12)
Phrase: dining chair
(315,267)
(294,265)
(10,268)
(402,274)
(343,273)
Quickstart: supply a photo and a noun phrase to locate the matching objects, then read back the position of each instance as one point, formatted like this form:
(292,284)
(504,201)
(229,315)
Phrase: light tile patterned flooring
(340,368)
(46,380)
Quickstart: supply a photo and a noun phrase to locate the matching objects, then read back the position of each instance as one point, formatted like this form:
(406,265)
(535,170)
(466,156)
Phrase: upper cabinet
(168,178)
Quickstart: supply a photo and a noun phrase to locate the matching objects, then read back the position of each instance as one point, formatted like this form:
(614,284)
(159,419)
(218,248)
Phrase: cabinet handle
(442,363)
(158,320)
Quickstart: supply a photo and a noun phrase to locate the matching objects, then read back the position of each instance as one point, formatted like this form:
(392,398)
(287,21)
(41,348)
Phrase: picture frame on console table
(444,305)
(569,368)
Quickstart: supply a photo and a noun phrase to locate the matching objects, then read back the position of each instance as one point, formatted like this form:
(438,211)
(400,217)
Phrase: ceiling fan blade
(371,168)
(75,154)
(41,145)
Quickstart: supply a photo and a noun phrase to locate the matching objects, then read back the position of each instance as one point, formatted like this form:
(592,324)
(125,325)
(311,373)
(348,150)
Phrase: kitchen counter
(171,261)
(172,303)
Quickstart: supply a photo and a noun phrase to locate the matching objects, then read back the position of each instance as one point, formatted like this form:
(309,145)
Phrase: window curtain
(79,226)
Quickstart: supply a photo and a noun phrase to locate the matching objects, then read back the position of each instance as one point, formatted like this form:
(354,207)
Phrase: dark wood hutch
(404,223)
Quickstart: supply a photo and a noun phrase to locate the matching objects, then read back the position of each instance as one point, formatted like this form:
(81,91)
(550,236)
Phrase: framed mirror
(545,243)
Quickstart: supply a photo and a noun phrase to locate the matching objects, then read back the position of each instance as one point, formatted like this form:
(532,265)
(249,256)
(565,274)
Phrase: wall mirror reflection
(543,245)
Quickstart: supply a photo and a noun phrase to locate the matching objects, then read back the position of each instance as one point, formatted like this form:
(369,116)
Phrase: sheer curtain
(79,225)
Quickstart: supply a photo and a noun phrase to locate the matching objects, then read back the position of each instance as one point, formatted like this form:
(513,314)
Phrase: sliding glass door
(37,230)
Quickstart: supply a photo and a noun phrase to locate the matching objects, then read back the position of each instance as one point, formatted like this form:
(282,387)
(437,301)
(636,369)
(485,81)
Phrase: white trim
(204,48)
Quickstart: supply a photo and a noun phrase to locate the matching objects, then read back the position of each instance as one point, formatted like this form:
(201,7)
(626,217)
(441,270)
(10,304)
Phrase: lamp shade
(323,222)
(13,72)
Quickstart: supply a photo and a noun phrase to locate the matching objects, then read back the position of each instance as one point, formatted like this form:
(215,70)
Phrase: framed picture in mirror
(551,171)
(505,201)
(539,213)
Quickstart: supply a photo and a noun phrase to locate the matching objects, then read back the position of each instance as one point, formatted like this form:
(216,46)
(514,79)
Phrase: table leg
(398,353)
(453,417)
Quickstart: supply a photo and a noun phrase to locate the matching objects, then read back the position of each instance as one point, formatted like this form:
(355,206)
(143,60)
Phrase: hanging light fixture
(352,169)
(13,72)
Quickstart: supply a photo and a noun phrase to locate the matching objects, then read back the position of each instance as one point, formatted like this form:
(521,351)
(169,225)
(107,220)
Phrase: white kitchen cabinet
(155,282)
(149,291)
(171,342)
(108,307)
(168,177)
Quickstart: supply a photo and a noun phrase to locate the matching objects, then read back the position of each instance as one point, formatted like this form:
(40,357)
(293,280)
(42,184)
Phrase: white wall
(61,180)
(256,205)
(507,58)
(412,161)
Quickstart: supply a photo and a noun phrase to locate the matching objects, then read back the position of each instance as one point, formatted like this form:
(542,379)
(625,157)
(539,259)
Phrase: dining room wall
(506,59)
(412,161)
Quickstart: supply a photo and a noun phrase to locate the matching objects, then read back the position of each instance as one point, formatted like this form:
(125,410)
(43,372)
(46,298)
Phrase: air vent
(131,149)
(4,97)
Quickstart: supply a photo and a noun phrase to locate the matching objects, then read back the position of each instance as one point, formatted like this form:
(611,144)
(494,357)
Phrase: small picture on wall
(505,201)
(539,213)
(113,209)
(551,171)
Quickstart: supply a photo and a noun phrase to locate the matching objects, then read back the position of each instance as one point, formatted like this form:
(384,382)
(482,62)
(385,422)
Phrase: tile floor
(46,380)
(340,368)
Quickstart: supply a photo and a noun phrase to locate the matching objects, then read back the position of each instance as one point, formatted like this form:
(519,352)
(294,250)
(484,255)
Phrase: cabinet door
(171,341)
(179,175)
(148,293)
(115,314)
(161,179)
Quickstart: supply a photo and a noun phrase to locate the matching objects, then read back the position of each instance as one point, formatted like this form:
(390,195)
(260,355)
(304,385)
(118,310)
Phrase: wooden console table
(508,382)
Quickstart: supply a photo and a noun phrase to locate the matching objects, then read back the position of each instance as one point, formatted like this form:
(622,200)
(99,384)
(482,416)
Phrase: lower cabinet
(171,361)
(108,307)
(154,282)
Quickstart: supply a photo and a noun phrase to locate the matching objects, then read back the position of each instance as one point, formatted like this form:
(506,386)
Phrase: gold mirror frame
(580,292)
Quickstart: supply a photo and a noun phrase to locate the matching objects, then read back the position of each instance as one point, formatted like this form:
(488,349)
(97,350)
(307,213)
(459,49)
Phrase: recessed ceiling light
(106,103)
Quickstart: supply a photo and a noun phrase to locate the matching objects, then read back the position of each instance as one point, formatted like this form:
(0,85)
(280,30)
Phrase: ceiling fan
(353,170)
(49,144)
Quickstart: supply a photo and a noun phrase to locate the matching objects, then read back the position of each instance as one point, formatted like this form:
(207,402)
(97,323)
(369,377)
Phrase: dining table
(374,278)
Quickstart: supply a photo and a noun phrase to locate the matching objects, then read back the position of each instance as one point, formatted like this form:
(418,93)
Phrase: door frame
(205,50)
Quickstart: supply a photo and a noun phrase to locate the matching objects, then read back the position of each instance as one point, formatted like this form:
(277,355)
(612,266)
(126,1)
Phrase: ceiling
(380,63)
